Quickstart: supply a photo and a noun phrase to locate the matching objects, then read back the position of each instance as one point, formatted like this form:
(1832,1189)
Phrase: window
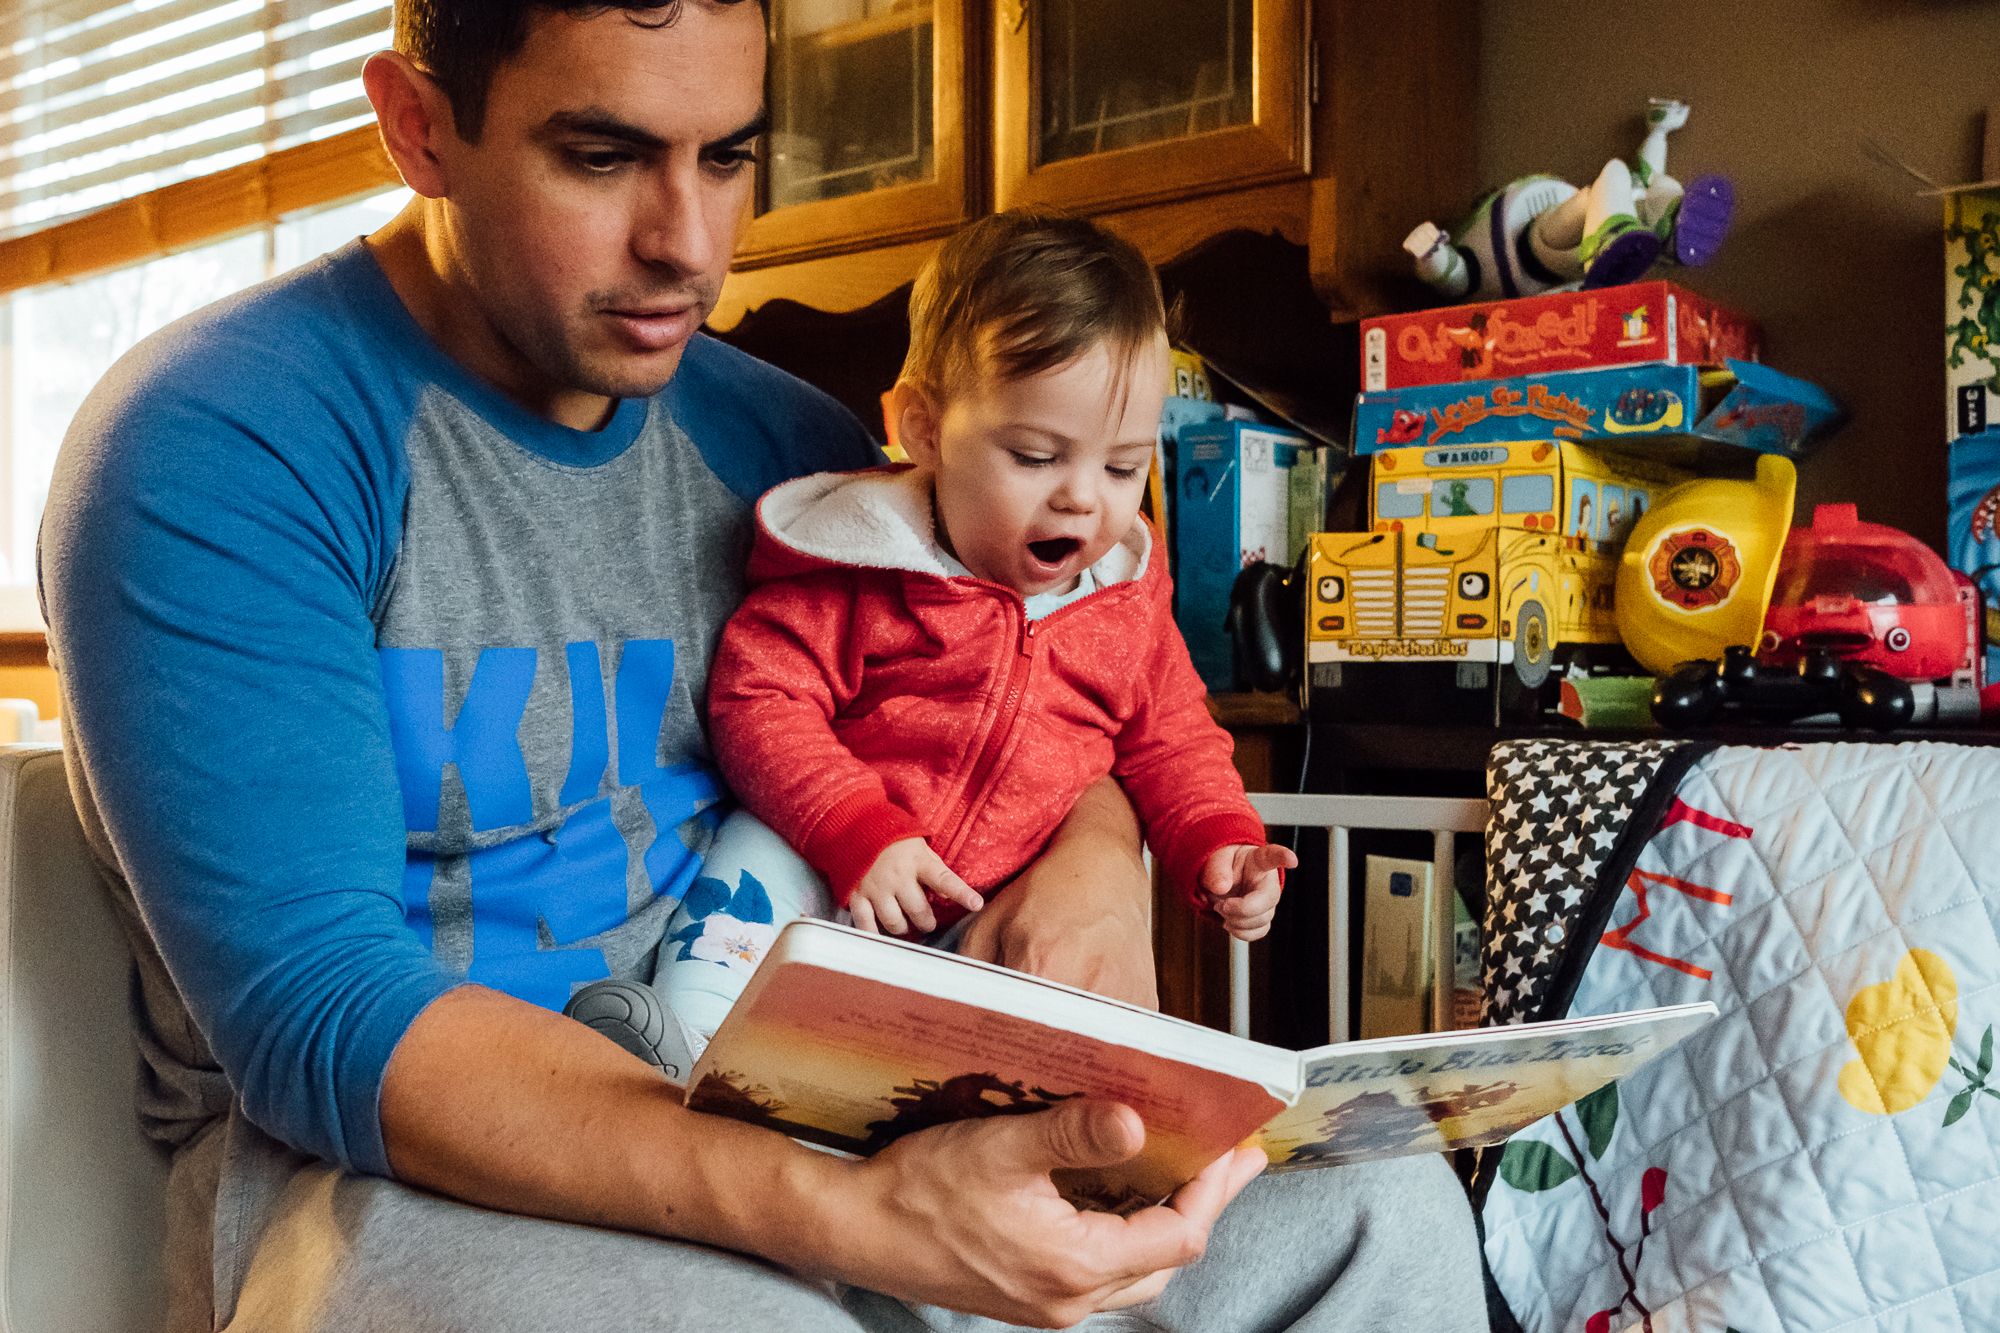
(1534,493)
(156,155)
(1393,501)
(1615,520)
(1583,509)
(107,100)
(1462,497)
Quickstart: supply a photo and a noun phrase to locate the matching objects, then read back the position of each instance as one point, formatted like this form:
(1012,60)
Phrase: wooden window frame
(200,211)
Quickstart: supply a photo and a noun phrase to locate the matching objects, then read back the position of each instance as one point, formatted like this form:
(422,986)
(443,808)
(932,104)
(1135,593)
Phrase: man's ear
(414,117)
(919,419)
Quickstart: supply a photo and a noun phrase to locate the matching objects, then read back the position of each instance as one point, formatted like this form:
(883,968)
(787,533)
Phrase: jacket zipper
(977,785)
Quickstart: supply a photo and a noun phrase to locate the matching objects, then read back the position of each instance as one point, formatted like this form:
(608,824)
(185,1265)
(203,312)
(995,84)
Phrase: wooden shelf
(1254,710)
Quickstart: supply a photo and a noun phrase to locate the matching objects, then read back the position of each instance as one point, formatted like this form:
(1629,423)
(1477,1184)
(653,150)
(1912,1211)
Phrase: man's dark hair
(1024,291)
(460,43)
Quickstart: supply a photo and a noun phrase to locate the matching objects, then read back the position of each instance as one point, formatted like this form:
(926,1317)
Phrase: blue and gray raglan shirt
(376,682)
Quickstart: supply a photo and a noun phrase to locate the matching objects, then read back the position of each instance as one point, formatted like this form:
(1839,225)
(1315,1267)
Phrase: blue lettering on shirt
(539,892)
(481,743)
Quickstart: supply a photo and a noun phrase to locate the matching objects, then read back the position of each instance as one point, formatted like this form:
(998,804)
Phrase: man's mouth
(654,321)
(654,328)
(1054,550)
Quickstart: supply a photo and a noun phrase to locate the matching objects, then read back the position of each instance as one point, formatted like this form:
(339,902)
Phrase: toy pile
(1561,506)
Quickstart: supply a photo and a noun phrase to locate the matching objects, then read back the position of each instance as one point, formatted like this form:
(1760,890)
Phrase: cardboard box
(1231,506)
(1639,322)
(1972,312)
(1396,953)
(1972,381)
(1747,405)
(1972,525)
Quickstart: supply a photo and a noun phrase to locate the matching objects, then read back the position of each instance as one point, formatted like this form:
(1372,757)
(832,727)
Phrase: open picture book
(849,1040)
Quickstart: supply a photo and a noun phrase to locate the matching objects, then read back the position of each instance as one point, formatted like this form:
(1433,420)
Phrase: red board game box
(1642,321)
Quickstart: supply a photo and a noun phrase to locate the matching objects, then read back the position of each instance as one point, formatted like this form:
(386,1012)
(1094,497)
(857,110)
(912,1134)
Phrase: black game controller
(1864,696)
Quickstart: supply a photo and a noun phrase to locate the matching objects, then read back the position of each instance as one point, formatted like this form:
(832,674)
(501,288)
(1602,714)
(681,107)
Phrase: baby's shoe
(632,1014)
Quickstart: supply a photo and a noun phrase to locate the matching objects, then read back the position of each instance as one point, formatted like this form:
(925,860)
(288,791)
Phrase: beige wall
(1831,250)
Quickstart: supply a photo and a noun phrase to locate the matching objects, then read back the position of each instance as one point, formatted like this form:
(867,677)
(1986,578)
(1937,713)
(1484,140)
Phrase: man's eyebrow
(599,124)
(736,138)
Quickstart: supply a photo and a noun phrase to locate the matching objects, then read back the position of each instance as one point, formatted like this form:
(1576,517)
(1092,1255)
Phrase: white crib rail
(1442,816)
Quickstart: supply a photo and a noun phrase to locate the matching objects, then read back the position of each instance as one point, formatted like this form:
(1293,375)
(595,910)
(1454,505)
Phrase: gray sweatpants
(297,1246)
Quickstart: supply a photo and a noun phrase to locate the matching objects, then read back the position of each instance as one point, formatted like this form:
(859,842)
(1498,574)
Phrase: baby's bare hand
(891,897)
(1243,884)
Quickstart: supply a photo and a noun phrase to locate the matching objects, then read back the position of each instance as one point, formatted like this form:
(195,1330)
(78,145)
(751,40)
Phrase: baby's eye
(1031,460)
(1124,473)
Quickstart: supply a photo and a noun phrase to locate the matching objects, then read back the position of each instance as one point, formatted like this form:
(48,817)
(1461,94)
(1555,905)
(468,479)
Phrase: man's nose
(673,228)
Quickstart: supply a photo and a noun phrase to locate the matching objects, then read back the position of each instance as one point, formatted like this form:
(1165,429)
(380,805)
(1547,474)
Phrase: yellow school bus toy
(1481,556)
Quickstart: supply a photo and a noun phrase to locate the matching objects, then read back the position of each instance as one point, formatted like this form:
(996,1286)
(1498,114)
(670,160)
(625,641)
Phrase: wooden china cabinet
(1336,124)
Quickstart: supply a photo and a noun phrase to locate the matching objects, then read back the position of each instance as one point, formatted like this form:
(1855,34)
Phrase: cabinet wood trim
(1163,232)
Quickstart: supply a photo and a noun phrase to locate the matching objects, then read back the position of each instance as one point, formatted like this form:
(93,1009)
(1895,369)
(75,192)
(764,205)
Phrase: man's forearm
(496,1102)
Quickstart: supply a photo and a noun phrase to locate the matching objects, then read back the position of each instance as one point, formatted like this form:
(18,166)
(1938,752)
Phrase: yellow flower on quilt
(1902,1027)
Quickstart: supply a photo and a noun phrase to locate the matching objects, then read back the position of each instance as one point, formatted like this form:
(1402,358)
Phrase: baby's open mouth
(1054,550)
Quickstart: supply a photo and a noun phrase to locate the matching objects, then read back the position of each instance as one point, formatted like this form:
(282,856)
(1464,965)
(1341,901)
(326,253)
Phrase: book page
(1367,1100)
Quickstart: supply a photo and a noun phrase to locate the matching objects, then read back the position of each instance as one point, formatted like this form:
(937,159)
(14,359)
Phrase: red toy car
(1870,593)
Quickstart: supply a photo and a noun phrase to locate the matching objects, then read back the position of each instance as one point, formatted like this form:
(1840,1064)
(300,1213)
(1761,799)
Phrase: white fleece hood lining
(877,520)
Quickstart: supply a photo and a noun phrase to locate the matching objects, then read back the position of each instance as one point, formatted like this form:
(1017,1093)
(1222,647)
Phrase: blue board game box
(1230,509)
(1749,405)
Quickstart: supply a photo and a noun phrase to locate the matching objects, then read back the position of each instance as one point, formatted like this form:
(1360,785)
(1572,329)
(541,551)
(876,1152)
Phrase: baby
(936,660)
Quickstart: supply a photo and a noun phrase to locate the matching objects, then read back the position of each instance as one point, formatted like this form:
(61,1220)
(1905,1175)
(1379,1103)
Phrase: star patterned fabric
(1559,807)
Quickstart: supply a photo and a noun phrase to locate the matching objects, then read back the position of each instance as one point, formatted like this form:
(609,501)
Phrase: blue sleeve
(756,425)
(223,514)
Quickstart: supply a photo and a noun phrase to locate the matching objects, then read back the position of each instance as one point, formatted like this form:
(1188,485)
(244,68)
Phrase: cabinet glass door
(850,99)
(1113,102)
(1118,76)
(866,100)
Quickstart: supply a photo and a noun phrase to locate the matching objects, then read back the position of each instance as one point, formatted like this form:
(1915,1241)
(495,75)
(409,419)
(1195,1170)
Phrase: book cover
(850,1040)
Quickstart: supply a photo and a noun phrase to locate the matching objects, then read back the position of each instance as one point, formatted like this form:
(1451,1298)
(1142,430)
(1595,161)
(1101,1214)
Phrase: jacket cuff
(851,835)
(1203,839)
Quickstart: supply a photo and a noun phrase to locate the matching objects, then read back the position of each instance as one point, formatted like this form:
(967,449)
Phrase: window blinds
(104,105)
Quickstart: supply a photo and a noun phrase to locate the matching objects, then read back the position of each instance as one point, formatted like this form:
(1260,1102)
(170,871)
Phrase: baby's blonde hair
(1025,291)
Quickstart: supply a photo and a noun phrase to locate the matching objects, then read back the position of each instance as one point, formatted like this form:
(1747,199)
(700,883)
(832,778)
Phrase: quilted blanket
(1826,1155)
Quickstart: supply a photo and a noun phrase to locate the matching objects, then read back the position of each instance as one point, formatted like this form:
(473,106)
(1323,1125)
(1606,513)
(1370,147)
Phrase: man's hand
(512,1107)
(1242,885)
(890,898)
(965,1217)
(1083,913)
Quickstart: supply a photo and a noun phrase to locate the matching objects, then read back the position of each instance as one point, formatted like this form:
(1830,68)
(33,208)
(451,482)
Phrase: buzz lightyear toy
(1539,233)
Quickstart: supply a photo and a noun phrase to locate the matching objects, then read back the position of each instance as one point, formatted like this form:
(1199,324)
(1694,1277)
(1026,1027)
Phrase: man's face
(1039,477)
(593,222)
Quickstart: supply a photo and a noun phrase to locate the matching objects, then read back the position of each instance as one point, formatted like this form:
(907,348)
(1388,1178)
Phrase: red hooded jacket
(862,696)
